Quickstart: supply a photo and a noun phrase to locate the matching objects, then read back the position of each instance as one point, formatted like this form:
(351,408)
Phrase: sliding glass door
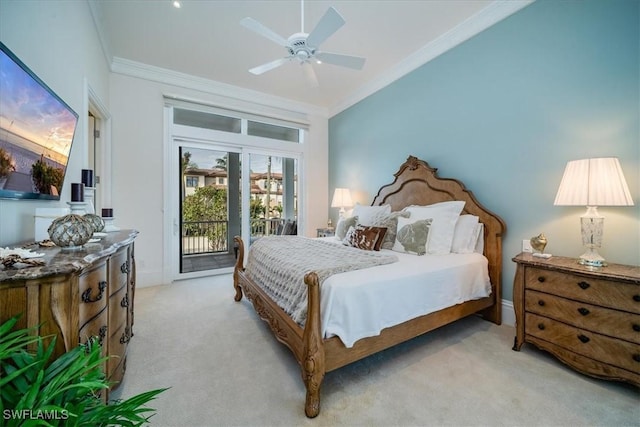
(273,195)
(227,175)
(212,209)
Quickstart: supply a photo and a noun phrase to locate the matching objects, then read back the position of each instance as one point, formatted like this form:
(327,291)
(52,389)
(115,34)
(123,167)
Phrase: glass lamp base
(591,258)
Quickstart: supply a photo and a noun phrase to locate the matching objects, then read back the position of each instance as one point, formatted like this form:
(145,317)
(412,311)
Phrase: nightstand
(589,319)
(325,232)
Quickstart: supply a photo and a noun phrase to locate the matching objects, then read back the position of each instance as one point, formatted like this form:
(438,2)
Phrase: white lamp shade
(341,198)
(593,182)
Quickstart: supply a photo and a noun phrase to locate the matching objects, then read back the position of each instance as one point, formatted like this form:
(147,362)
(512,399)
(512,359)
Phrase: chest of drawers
(590,320)
(77,295)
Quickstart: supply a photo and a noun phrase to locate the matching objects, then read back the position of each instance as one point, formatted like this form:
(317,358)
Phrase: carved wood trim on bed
(416,183)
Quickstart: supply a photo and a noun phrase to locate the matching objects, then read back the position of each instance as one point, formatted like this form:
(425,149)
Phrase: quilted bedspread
(278,264)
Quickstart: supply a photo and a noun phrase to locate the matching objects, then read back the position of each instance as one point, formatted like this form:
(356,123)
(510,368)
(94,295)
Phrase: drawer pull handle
(541,279)
(583,285)
(585,339)
(124,268)
(541,326)
(125,301)
(86,295)
(541,303)
(583,311)
(126,336)
(636,298)
(102,334)
(636,357)
(636,327)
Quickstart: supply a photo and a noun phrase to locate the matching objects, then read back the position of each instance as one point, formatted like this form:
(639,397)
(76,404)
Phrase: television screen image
(36,133)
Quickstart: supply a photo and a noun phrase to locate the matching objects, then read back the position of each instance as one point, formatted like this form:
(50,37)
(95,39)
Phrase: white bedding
(361,303)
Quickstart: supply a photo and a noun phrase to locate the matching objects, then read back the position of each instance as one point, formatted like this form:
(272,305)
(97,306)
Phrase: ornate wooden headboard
(417,183)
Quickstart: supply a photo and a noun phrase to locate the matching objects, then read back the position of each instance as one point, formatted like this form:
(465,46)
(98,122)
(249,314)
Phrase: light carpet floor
(225,368)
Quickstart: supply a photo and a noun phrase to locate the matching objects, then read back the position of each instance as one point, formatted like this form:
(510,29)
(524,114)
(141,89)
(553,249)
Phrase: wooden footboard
(306,344)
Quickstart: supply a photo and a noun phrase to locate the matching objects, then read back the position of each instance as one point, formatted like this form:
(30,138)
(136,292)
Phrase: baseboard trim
(508,313)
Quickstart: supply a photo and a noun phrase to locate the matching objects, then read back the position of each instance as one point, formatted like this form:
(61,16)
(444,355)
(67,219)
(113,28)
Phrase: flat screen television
(36,133)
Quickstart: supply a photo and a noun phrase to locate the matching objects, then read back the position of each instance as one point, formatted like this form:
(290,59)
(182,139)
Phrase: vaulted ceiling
(204,38)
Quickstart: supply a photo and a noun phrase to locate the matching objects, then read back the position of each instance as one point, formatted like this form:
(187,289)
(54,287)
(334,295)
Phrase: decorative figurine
(538,243)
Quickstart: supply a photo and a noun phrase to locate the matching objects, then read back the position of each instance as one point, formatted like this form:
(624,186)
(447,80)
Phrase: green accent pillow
(343,226)
(412,237)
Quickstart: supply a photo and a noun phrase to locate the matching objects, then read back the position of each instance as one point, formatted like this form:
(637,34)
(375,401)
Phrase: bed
(318,352)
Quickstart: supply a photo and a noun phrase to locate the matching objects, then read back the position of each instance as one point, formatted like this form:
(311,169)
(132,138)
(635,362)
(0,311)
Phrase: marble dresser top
(65,261)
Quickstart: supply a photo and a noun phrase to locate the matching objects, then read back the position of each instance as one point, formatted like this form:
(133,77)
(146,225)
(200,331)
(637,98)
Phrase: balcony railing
(202,237)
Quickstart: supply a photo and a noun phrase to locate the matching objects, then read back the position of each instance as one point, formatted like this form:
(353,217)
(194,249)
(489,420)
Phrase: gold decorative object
(539,242)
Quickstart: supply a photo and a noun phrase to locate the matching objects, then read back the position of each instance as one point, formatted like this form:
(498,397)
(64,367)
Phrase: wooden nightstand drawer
(607,293)
(609,350)
(605,321)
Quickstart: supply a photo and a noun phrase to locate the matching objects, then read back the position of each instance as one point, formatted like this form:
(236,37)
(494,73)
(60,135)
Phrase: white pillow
(465,234)
(370,215)
(444,216)
(480,241)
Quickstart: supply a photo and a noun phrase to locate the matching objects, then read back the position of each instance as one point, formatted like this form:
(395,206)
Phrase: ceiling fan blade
(268,66)
(311,75)
(254,25)
(330,22)
(348,61)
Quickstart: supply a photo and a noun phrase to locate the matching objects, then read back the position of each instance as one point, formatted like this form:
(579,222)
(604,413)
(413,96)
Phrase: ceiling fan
(304,47)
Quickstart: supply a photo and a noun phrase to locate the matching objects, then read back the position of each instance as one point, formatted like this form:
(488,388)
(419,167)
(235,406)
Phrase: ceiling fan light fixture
(304,47)
(176,4)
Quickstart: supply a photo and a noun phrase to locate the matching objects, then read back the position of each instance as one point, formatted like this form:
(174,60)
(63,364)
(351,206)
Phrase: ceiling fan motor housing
(297,47)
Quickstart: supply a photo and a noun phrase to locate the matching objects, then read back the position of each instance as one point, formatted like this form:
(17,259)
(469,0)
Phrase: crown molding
(490,15)
(233,93)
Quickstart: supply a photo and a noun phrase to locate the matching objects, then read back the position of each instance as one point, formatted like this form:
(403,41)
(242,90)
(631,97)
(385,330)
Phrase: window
(192,181)
(273,131)
(203,120)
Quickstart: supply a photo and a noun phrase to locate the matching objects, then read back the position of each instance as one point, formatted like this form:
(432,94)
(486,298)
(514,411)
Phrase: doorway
(210,208)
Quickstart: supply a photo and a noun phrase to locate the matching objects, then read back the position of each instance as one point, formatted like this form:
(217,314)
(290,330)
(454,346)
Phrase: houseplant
(63,392)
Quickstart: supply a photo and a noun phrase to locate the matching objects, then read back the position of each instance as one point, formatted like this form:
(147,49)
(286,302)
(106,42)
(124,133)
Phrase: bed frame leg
(239,267)
(313,367)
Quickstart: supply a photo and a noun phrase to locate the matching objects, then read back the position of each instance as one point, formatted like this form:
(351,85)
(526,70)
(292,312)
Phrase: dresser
(76,295)
(589,319)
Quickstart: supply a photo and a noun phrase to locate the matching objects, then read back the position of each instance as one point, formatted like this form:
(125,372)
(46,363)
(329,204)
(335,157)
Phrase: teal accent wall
(504,112)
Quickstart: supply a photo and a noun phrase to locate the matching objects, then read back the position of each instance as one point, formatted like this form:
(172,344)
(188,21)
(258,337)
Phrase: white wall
(58,42)
(138,159)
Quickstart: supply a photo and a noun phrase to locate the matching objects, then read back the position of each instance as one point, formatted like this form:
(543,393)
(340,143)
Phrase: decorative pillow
(390,222)
(412,236)
(480,241)
(369,215)
(343,226)
(444,216)
(465,234)
(364,237)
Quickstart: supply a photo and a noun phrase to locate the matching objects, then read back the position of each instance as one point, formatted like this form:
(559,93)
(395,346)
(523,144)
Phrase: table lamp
(341,199)
(593,183)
